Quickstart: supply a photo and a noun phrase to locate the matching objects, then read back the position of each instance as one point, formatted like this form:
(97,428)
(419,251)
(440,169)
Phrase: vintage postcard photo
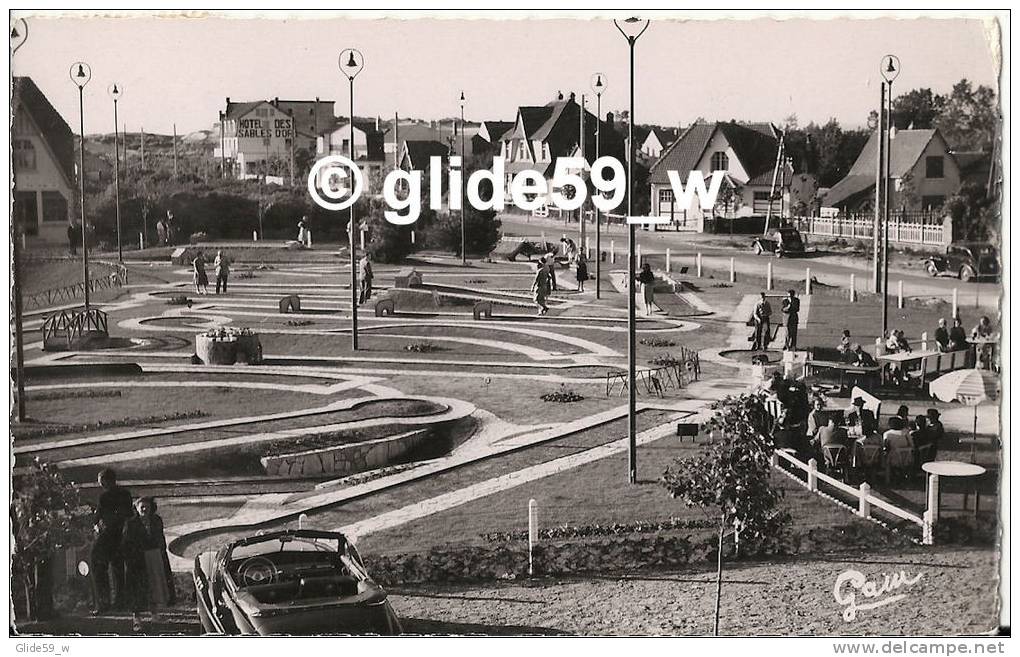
(444,324)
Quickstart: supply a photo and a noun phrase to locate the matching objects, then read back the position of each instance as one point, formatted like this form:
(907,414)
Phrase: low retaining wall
(344,459)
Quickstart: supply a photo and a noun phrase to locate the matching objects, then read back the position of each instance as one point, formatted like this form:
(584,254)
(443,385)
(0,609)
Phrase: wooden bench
(384,307)
(407,278)
(290,303)
(483,309)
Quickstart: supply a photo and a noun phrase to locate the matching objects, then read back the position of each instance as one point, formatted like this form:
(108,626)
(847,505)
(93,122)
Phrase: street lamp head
(351,63)
(599,83)
(19,34)
(463,100)
(115,91)
(80,74)
(890,67)
(632,28)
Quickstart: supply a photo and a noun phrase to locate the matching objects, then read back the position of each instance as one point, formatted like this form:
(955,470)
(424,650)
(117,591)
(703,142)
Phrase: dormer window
(720,162)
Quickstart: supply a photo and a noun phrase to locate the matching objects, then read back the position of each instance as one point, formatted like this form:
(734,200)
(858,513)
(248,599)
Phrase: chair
(870,456)
(898,458)
(835,457)
(924,453)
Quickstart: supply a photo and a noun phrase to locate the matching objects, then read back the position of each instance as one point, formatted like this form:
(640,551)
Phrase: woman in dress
(540,287)
(143,546)
(647,280)
(582,271)
(199,275)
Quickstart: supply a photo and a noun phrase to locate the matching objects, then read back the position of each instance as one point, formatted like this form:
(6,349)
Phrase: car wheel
(931,268)
(966,274)
(757,248)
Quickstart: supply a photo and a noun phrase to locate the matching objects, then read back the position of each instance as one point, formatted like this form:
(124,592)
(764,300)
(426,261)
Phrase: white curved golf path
(455,410)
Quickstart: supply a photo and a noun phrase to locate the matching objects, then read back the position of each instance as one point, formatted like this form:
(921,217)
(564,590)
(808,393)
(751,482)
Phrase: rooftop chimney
(571,96)
(559,95)
(610,119)
(228,100)
(276,101)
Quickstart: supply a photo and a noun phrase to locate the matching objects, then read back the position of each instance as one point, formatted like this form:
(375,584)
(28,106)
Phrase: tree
(969,117)
(47,514)
(975,215)
(917,109)
(481,230)
(733,475)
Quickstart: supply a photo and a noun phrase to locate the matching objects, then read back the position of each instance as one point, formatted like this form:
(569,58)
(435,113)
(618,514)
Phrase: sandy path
(955,595)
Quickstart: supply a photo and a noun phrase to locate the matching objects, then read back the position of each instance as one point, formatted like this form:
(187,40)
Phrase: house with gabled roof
(746,152)
(656,140)
(922,170)
(543,134)
(42,154)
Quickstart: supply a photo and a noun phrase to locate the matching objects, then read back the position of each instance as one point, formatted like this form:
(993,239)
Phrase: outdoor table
(904,359)
(936,469)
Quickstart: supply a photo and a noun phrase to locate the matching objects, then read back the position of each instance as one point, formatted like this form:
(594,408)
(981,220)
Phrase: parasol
(970,387)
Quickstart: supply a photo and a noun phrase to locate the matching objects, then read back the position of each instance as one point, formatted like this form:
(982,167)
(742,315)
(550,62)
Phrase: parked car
(786,241)
(529,249)
(967,260)
(290,582)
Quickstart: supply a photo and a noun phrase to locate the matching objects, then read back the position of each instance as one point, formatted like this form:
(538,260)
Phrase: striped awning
(971,386)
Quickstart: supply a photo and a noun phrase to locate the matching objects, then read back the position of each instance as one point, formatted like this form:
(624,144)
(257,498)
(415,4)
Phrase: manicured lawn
(460,477)
(594,494)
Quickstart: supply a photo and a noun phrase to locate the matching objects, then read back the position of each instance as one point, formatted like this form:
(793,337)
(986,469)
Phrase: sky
(180,70)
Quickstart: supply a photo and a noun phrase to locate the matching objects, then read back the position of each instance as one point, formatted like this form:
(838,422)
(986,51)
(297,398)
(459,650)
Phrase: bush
(481,232)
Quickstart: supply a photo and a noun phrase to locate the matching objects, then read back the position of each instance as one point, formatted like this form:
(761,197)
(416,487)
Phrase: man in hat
(762,324)
(791,308)
(936,431)
(858,416)
(859,357)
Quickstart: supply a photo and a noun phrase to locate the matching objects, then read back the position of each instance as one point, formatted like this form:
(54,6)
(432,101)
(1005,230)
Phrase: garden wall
(345,459)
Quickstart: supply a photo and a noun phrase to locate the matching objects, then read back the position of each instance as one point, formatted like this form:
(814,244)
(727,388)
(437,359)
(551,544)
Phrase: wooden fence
(907,228)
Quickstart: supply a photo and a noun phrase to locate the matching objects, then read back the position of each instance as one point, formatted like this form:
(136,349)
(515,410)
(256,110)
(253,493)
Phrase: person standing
(582,271)
(365,279)
(143,543)
(72,239)
(302,225)
(171,229)
(762,319)
(199,275)
(647,280)
(161,238)
(936,432)
(113,509)
(791,308)
(540,287)
(222,265)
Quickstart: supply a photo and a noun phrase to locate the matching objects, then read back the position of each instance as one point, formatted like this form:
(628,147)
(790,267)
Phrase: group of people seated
(906,444)
(852,353)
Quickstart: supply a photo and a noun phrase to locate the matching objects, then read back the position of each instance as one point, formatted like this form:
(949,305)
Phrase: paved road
(827,269)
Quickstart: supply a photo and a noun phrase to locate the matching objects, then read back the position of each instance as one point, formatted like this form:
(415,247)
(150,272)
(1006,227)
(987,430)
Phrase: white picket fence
(865,499)
(912,228)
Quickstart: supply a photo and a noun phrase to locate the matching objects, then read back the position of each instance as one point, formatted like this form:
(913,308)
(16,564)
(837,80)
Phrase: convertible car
(786,241)
(299,582)
(967,260)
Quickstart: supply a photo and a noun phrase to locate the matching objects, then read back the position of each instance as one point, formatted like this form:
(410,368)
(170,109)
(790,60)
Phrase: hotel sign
(265,128)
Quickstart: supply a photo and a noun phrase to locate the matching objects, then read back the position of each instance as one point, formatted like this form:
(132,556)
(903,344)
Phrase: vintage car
(967,260)
(299,582)
(529,249)
(786,241)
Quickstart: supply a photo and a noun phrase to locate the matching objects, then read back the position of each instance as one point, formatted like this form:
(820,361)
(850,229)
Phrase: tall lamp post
(631,29)
(351,63)
(80,75)
(19,35)
(890,70)
(598,85)
(116,91)
(463,201)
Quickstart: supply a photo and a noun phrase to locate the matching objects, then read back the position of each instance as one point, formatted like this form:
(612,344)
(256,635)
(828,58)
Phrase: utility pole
(115,93)
(885,194)
(175,151)
(580,210)
(223,151)
(293,137)
(879,165)
(143,147)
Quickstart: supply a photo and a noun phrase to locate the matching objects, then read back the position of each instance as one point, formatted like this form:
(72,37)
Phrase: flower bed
(226,346)
(61,429)
(562,396)
(657,342)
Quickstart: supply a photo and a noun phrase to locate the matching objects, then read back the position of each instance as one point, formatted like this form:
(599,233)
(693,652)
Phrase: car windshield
(286,544)
(983,250)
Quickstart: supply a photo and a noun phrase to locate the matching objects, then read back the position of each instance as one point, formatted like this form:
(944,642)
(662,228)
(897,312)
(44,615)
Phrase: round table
(936,469)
